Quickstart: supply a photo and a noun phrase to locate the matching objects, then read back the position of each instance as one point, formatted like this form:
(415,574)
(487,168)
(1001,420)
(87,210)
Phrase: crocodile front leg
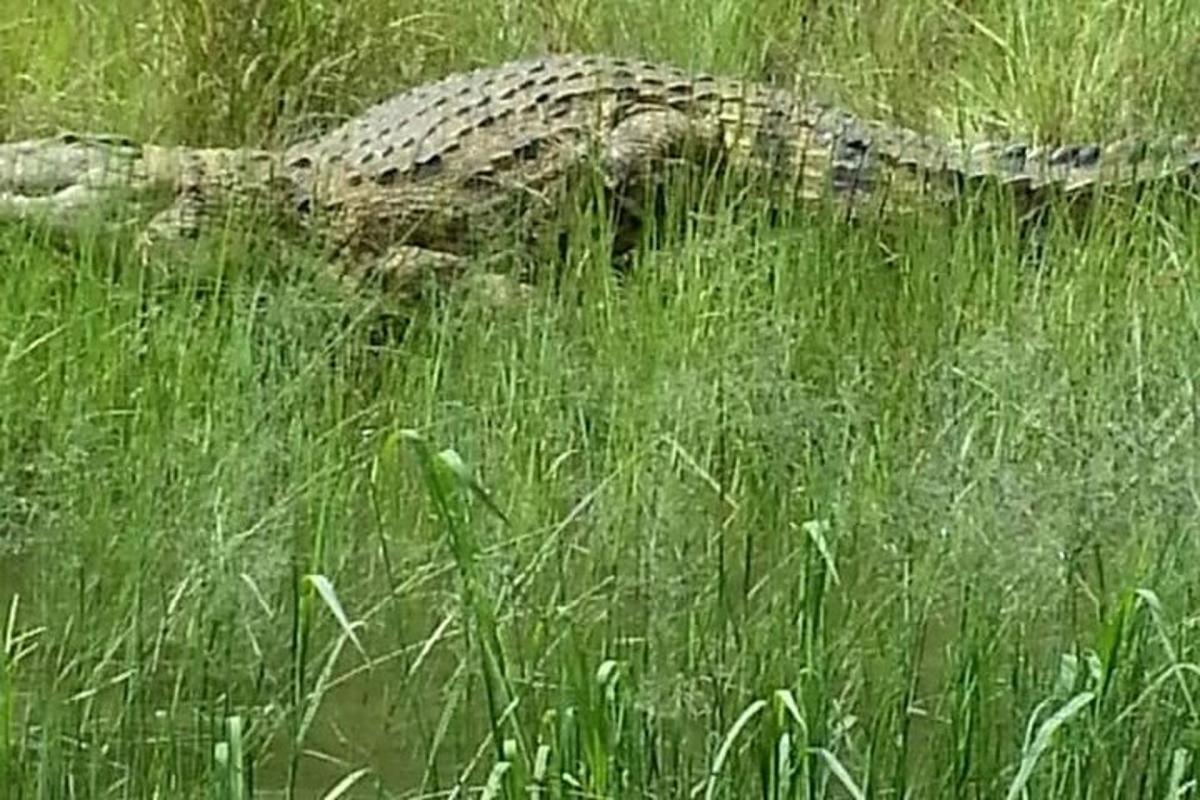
(169,229)
(405,273)
(214,189)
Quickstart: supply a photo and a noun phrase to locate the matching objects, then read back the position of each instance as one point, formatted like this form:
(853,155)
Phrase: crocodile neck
(218,168)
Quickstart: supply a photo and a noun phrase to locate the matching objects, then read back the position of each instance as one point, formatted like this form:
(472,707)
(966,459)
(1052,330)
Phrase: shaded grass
(777,516)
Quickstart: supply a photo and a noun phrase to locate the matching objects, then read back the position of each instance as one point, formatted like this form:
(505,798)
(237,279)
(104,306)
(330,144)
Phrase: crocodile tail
(1080,167)
(1033,171)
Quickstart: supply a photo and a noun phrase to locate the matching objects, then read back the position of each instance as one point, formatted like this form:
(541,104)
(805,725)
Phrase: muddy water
(366,722)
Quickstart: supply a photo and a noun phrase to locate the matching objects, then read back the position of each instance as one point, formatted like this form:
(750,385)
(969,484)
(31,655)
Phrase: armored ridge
(414,183)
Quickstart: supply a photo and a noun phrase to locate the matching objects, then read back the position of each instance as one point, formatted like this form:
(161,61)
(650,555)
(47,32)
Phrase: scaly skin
(426,178)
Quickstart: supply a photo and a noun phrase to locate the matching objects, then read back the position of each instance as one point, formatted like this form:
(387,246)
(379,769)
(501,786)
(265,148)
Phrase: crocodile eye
(1087,156)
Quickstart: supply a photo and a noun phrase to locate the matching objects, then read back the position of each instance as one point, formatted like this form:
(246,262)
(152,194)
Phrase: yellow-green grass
(774,516)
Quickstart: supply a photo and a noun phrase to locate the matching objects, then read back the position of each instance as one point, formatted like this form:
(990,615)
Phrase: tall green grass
(774,516)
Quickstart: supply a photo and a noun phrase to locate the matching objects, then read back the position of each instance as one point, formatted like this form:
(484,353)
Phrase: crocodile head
(64,180)
(69,180)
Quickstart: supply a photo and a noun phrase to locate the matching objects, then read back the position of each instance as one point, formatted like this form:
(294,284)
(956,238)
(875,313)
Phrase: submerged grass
(776,516)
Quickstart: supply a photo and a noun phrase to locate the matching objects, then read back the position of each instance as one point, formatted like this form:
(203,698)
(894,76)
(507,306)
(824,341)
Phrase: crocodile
(419,184)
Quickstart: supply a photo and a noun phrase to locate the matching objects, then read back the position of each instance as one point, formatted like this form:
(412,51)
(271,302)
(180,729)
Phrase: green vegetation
(774,517)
